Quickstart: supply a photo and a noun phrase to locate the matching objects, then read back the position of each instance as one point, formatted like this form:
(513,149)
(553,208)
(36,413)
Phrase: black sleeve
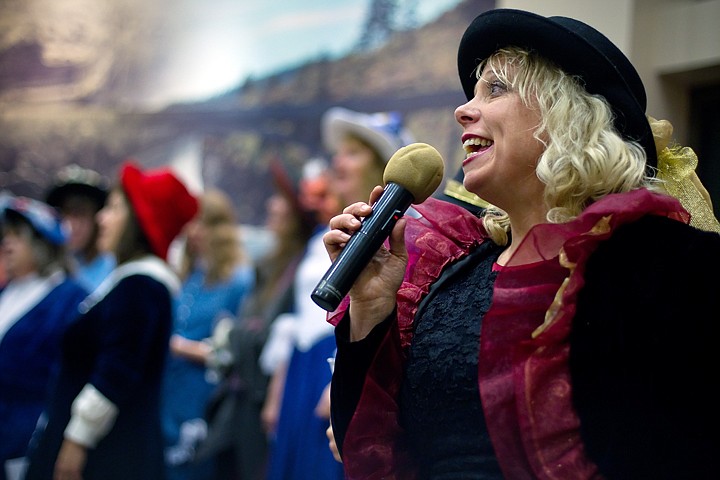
(643,349)
(352,361)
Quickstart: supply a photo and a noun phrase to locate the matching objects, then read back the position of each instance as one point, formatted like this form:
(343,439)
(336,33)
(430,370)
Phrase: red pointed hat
(161,202)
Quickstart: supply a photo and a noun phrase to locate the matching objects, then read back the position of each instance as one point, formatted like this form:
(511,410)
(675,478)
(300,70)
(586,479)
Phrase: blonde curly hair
(585,157)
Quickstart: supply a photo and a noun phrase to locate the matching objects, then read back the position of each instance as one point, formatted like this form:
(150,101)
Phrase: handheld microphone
(411,175)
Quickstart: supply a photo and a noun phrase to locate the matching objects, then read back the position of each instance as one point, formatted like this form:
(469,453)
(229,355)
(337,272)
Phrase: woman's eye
(496,87)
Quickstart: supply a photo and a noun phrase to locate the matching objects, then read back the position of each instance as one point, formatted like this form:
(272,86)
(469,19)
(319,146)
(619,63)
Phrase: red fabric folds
(523,371)
(523,367)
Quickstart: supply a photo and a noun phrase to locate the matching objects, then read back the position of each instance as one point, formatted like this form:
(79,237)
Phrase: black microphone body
(375,228)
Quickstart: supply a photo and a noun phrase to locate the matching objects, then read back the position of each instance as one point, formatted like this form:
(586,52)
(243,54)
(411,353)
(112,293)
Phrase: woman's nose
(466,113)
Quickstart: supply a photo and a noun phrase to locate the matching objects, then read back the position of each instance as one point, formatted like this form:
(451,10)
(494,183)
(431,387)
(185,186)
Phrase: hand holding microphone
(412,174)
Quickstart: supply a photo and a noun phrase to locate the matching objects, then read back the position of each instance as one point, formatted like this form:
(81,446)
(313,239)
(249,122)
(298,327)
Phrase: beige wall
(674,44)
(611,17)
(677,47)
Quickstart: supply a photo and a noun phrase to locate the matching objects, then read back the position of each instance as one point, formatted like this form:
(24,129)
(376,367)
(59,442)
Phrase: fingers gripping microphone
(412,174)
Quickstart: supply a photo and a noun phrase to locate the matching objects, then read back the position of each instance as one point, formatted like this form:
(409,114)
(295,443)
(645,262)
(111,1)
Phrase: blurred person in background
(361,144)
(236,437)
(78,194)
(216,279)
(5,197)
(37,304)
(103,416)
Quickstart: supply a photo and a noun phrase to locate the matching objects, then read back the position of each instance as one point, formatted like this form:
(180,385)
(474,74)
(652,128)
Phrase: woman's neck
(519,228)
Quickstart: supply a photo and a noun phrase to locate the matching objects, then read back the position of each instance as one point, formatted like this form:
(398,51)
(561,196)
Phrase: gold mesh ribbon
(676,167)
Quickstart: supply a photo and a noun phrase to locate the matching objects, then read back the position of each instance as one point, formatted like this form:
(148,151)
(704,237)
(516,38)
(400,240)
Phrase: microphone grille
(417,167)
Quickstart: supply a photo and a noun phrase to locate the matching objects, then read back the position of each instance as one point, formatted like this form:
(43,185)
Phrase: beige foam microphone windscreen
(417,167)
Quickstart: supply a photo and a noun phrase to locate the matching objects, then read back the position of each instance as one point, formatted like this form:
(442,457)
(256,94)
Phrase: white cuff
(93,415)
(280,343)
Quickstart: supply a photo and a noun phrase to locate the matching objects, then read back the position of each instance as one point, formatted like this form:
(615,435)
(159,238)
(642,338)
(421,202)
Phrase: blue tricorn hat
(41,216)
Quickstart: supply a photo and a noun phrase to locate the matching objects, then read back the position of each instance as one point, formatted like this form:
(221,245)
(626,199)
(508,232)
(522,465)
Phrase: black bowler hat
(76,180)
(575,47)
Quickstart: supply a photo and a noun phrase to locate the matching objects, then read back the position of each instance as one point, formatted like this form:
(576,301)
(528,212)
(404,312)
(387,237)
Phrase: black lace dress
(440,400)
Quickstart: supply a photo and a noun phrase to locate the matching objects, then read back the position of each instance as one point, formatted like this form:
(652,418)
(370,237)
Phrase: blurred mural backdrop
(216,88)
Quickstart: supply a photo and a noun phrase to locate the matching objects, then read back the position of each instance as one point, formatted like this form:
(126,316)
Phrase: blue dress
(119,345)
(91,274)
(186,388)
(29,357)
(300,449)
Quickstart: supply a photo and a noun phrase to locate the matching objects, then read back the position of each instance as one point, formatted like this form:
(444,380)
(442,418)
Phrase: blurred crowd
(139,339)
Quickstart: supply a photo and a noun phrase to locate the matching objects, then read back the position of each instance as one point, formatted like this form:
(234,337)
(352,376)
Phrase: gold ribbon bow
(676,167)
